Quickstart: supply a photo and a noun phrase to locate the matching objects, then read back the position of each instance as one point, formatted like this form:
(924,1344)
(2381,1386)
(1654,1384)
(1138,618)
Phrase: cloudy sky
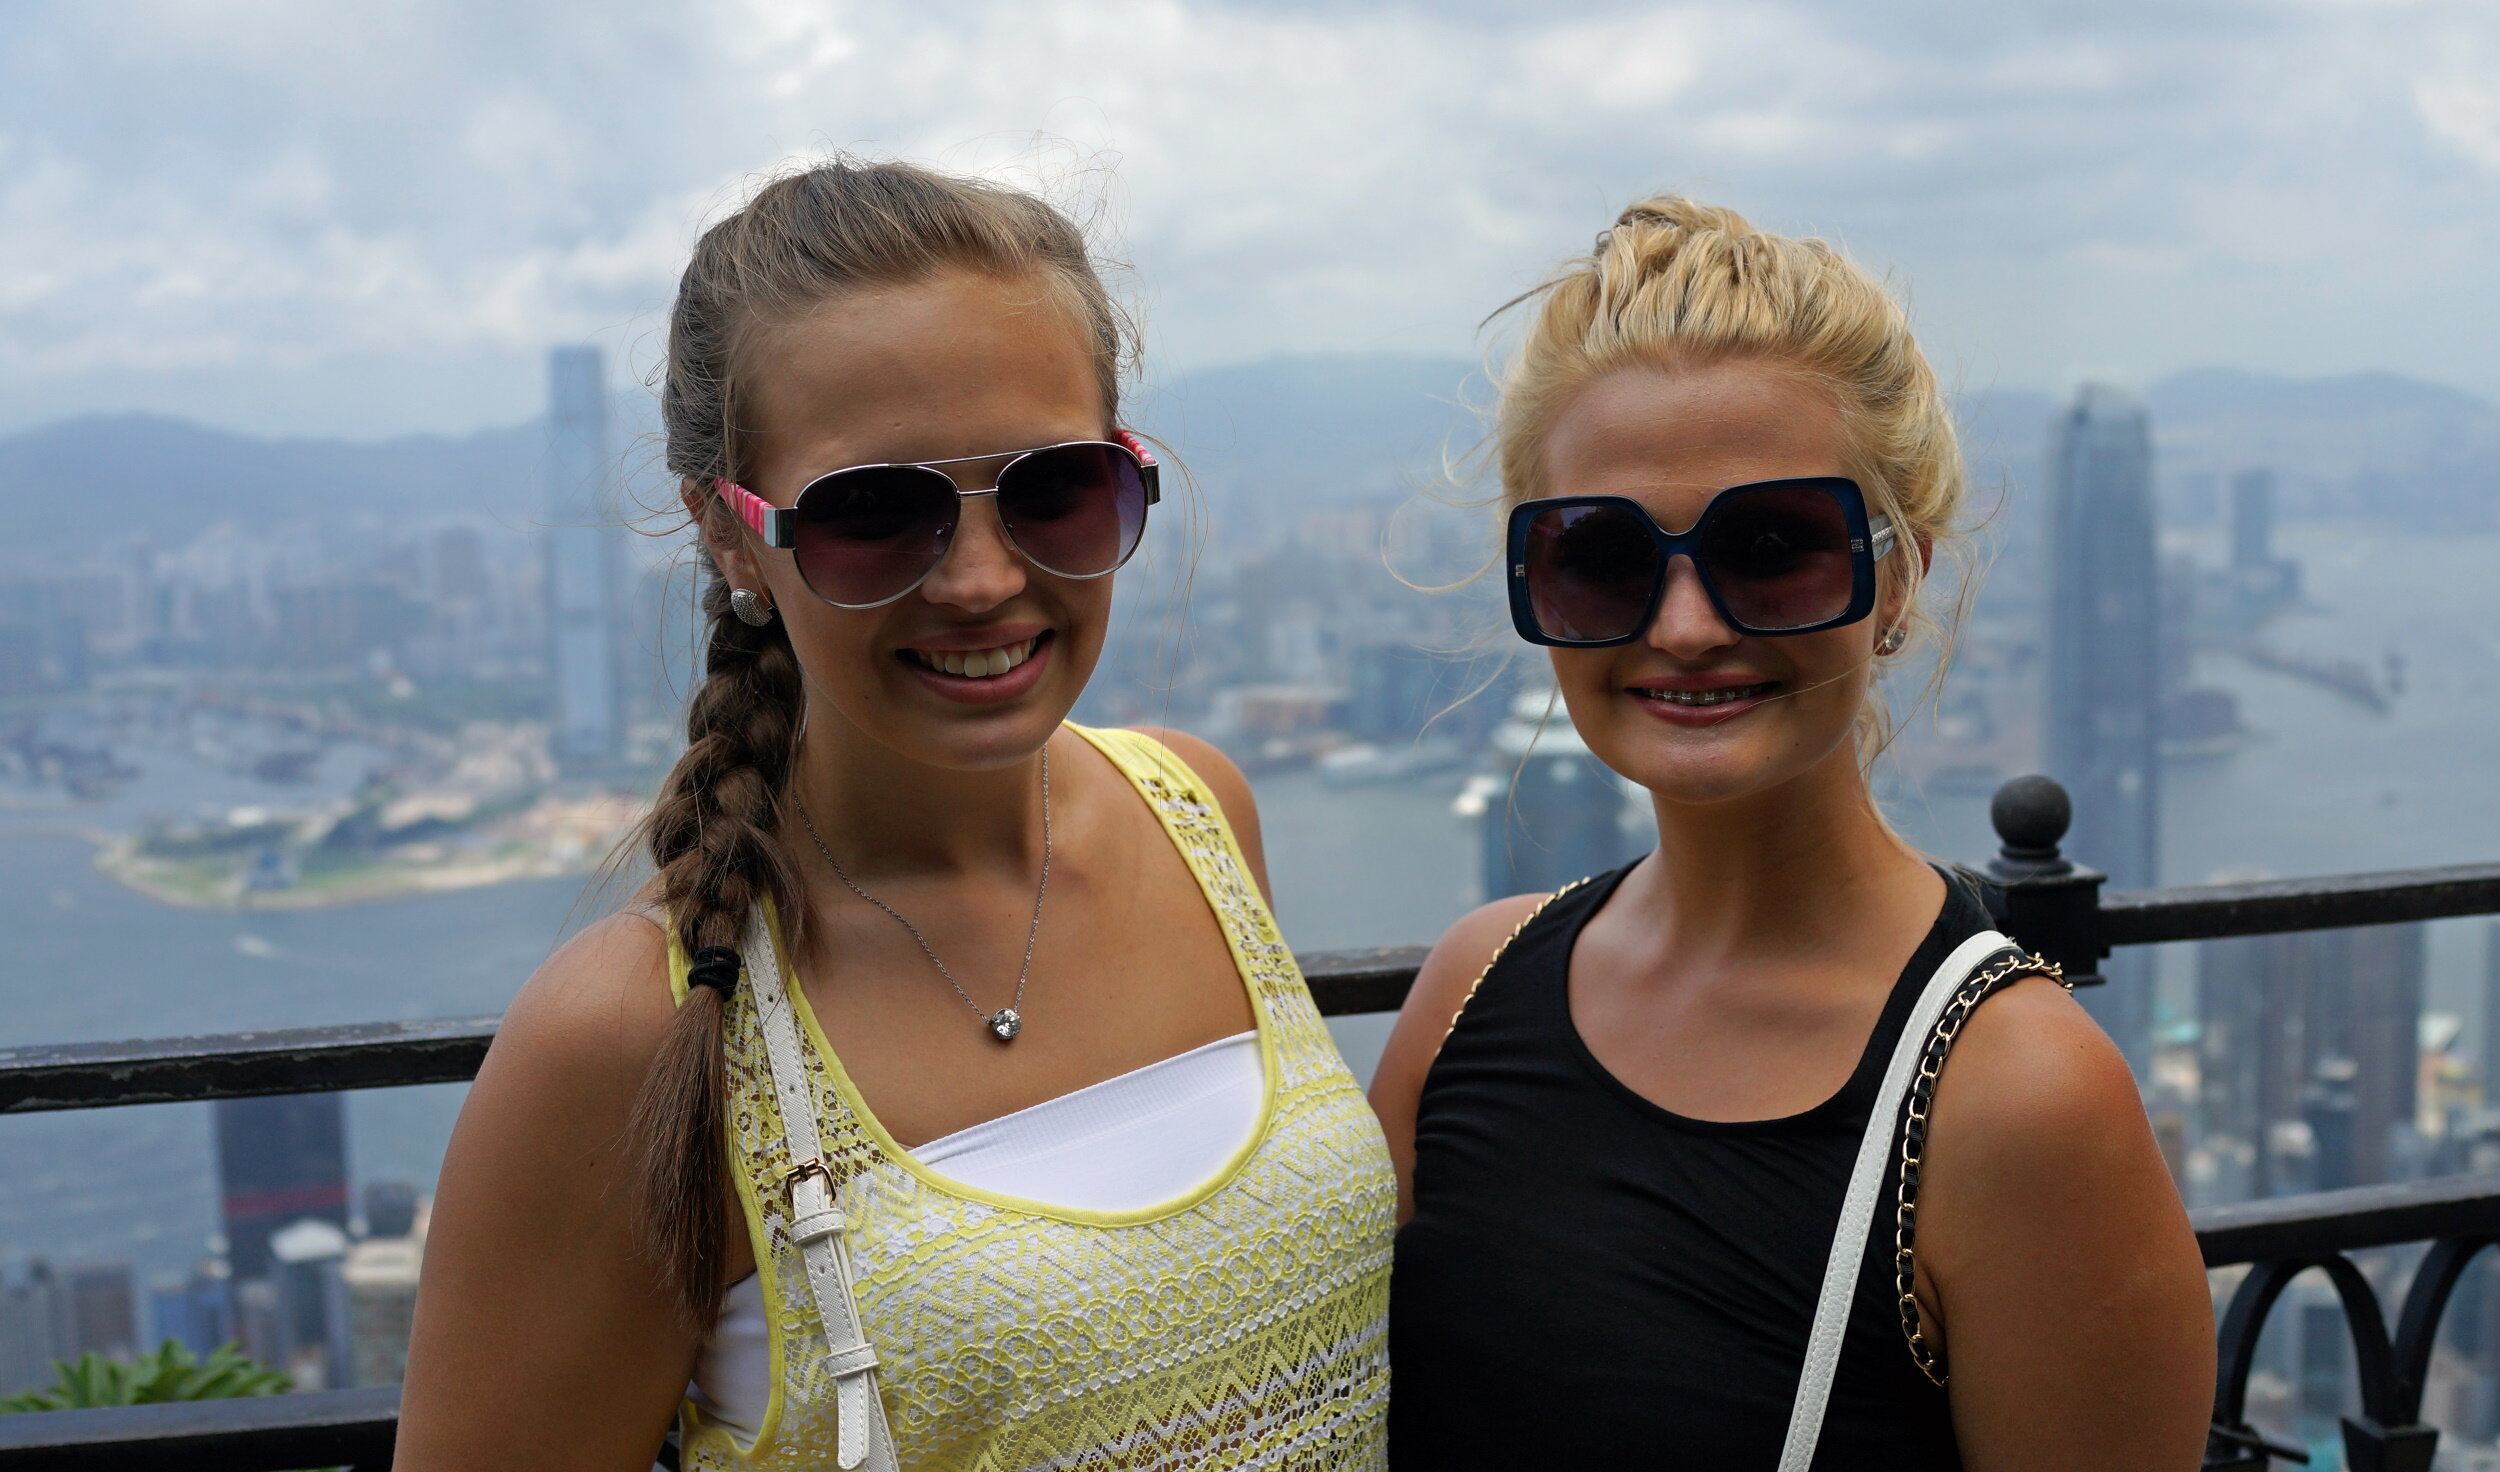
(369,218)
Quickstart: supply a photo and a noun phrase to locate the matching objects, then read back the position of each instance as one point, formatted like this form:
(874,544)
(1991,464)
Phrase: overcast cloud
(366,218)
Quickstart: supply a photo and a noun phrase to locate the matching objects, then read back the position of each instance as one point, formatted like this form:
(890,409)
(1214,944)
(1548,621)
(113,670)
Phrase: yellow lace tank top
(1240,1325)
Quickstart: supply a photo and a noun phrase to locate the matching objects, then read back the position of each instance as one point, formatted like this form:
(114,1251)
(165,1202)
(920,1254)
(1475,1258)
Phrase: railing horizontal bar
(377,1055)
(2347,1220)
(1349,982)
(330,1428)
(2136,917)
(388,1055)
(295,1060)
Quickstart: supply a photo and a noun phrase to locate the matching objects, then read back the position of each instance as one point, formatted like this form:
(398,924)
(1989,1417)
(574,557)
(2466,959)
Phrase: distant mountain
(1270,442)
(76,485)
(2205,394)
(2361,444)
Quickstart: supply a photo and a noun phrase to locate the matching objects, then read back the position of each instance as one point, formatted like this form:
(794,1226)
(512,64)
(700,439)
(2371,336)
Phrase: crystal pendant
(1006,1024)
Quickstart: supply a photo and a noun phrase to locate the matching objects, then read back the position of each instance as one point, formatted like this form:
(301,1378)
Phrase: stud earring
(750,607)
(1893,641)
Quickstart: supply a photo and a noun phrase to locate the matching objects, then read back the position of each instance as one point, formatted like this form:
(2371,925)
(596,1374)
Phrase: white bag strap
(1857,1209)
(817,1223)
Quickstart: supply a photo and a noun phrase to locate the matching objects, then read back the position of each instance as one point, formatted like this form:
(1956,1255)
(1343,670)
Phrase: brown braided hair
(806,238)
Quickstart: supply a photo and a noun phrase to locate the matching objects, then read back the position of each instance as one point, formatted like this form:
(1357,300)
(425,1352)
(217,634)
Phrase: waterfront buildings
(582,557)
(49,1314)
(1560,815)
(2104,668)
(32,1333)
(100,1310)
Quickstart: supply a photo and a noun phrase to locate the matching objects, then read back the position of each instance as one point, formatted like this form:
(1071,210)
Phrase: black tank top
(1592,1281)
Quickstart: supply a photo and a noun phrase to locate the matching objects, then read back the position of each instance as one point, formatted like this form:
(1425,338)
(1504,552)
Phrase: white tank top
(1127,1143)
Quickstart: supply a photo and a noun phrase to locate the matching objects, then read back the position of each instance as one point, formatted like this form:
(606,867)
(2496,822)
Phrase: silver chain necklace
(1007,1021)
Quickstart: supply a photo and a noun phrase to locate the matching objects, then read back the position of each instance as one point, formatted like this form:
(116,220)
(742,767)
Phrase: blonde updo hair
(1677,284)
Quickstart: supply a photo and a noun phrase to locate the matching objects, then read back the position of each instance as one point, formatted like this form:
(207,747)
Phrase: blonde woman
(951,1101)
(1650,1128)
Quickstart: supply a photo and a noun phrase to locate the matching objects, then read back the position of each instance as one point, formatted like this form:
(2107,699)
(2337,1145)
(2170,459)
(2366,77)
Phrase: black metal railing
(2044,900)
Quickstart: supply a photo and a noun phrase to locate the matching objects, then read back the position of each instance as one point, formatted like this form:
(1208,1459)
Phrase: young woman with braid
(1652,1129)
(949,1101)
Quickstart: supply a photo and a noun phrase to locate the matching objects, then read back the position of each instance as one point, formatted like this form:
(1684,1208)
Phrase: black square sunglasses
(1774,557)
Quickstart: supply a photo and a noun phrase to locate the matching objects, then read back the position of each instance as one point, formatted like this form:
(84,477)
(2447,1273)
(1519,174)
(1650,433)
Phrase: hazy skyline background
(288,217)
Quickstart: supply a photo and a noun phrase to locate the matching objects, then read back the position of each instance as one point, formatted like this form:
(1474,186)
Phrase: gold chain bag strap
(1983,984)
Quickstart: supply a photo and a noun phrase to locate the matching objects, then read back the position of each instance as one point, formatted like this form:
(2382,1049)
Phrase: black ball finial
(2031,814)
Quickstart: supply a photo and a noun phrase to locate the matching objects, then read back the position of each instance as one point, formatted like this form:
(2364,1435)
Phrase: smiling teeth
(1705,697)
(978,664)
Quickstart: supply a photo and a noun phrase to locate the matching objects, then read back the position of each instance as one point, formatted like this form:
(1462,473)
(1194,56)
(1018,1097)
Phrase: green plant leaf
(170,1372)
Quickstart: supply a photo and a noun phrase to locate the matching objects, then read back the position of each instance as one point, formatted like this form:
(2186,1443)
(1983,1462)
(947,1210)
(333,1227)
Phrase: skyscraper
(279,1160)
(102,1302)
(2260,583)
(34,1328)
(380,1276)
(311,1301)
(1559,815)
(2104,669)
(2310,1043)
(2491,1015)
(2252,519)
(581,562)
(197,1312)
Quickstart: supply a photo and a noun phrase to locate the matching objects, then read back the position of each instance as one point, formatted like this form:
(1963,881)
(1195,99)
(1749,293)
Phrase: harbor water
(2329,785)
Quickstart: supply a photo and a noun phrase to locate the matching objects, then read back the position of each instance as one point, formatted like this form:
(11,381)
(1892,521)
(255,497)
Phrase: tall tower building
(581,563)
(2252,519)
(2104,669)
(2491,1015)
(280,1159)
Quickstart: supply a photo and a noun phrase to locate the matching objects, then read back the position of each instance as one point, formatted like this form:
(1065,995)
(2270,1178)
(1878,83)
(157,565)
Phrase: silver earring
(750,607)
(1893,641)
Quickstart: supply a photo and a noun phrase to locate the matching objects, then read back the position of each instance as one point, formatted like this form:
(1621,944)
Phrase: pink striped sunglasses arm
(1146,461)
(775,524)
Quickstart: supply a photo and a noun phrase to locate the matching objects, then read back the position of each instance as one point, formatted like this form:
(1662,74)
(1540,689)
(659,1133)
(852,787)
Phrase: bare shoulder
(594,1011)
(538,1318)
(2037,1117)
(2032,1071)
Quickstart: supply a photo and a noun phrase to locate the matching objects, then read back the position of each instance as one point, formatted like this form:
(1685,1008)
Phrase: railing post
(2371,1447)
(2052,904)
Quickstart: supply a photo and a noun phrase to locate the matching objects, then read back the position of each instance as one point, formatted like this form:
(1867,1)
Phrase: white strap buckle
(859,1359)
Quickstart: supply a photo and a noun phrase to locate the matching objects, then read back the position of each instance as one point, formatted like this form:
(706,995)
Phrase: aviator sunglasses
(866,535)
(1774,557)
